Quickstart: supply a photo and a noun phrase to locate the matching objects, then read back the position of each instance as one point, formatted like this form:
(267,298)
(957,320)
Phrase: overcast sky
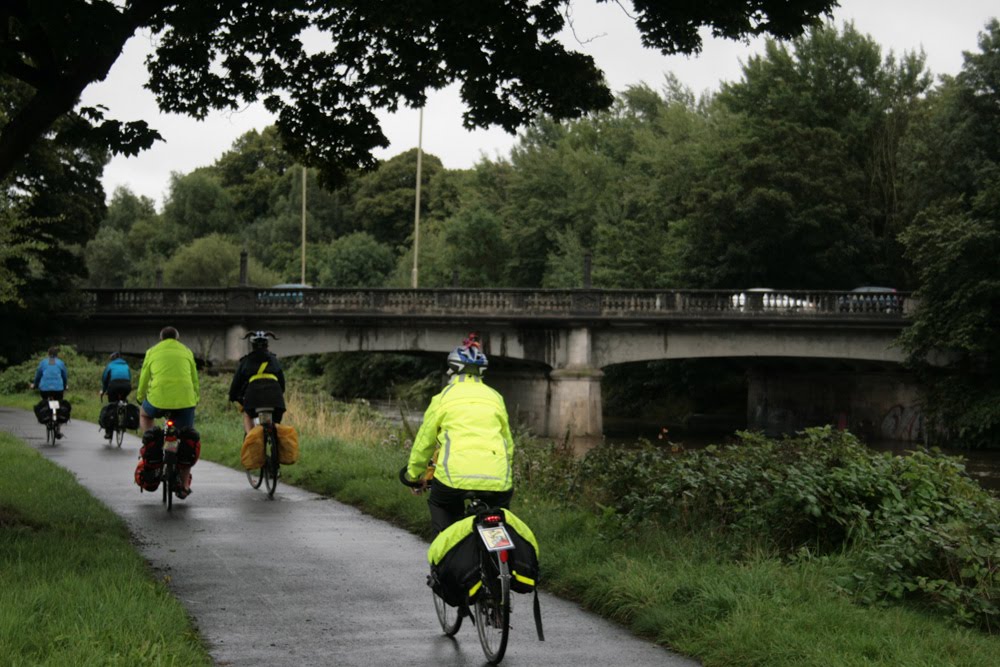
(943,29)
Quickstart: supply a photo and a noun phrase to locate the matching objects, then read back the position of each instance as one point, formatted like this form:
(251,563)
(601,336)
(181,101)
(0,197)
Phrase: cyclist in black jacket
(259,381)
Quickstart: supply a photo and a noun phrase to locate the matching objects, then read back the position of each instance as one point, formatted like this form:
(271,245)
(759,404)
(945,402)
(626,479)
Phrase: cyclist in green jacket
(168,382)
(467,425)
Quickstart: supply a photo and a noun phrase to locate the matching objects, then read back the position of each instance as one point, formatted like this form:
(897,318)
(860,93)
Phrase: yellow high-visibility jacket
(468,421)
(169,376)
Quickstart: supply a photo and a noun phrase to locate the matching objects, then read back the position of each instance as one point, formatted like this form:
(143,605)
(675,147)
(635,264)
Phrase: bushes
(916,526)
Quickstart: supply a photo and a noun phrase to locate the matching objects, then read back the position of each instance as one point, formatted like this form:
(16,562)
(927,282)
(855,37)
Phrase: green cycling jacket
(467,423)
(169,376)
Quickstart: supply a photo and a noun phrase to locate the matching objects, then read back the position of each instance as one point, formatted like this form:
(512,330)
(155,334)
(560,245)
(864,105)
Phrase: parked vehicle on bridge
(871,299)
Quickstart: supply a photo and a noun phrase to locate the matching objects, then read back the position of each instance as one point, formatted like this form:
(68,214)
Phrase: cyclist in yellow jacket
(168,382)
(467,425)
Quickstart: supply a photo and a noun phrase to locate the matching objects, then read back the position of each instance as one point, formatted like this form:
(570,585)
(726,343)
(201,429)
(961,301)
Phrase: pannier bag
(252,454)
(42,412)
(107,417)
(188,447)
(454,560)
(147,475)
(288,444)
(63,411)
(152,446)
(131,416)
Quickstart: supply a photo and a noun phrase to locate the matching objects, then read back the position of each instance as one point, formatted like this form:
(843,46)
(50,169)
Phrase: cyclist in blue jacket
(116,383)
(51,378)
(116,380)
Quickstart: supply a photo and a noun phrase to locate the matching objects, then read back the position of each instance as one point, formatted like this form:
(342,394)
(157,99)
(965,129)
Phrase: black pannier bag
(42,412)
(152,446)
(106,419)
(453,577)
(188,446)
(63,411)
(131,416)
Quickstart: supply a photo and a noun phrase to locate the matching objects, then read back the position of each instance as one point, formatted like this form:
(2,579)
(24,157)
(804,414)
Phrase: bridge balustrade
(504,302)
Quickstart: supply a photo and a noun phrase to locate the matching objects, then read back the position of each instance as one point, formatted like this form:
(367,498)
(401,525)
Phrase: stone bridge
(557,341)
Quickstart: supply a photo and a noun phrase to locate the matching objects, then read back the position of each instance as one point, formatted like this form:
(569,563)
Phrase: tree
(200,205)
(355,260)
(126,209)
(213,261)
(954,339)
(223,54)
(107,257)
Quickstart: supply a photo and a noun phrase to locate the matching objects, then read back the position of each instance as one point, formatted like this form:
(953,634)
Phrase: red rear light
(492,518)
(503,556)
(170,423)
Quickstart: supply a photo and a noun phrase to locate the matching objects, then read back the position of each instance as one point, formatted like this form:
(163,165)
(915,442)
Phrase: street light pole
(416,208)
(303,281)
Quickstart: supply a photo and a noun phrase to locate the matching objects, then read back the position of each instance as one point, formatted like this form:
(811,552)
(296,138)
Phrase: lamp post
(416,207)
(303,281)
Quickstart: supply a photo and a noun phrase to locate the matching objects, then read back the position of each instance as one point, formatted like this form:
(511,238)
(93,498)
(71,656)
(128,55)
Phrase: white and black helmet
(467,359)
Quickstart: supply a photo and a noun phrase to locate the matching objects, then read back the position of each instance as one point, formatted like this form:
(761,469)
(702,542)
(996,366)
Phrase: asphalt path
(304,580)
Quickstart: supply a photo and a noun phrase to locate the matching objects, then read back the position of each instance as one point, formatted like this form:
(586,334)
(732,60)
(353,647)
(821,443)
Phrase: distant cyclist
(116,382)
(259,381)
(466,423)
(51,378)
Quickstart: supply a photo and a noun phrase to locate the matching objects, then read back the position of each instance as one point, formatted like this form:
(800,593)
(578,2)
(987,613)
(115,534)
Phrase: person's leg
(446,505)
(247,422)
(147,413)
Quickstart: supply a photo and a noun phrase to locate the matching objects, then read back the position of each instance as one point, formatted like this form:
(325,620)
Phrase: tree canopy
(378,54)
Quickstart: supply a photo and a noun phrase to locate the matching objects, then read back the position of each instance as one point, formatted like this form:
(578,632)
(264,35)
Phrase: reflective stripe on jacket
(169,376)
(468,422)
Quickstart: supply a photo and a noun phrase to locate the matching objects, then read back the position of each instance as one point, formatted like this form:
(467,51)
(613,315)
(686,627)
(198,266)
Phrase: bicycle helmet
(115,355)
(467,359)
(258,339)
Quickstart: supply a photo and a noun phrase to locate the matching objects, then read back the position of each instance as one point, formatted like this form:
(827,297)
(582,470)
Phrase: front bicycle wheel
(492,608)
(255,477)
(449,617)
(270,461)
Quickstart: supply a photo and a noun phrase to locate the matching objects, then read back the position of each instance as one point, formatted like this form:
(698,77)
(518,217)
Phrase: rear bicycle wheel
(270,461)
(449,617)
(492,608)
(170,484)
(50,434)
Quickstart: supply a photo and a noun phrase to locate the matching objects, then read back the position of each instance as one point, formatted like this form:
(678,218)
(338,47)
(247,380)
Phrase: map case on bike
(495,538)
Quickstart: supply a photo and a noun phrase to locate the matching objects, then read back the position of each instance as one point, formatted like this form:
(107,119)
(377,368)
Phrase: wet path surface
(303,580)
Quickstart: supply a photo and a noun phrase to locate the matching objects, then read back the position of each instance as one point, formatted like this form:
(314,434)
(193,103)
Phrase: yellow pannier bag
(252,454)
(288,444)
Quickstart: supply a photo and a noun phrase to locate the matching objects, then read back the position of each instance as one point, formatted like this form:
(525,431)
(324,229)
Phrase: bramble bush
(916,526)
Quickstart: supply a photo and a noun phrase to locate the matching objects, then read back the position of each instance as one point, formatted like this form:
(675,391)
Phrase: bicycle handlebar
(413,484)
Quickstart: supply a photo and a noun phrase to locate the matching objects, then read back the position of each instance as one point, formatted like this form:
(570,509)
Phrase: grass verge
(73,590)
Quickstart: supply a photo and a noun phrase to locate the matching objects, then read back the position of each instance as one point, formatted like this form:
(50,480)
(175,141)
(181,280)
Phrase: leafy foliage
(916,526)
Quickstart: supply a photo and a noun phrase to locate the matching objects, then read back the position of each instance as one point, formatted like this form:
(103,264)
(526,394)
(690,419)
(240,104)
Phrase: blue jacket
(51,375)
(117,369)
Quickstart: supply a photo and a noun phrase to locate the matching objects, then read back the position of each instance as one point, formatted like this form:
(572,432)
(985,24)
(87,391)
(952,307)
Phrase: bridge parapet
(516,303)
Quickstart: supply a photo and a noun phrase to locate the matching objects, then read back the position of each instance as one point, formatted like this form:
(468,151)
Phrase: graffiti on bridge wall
(903,423)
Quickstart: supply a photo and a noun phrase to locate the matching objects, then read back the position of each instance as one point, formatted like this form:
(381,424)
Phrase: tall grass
(73,591)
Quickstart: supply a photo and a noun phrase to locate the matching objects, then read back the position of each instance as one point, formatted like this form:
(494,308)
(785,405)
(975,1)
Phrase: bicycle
(169,474)
(268,472)
(491,595)
(120,417)
(52,432)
